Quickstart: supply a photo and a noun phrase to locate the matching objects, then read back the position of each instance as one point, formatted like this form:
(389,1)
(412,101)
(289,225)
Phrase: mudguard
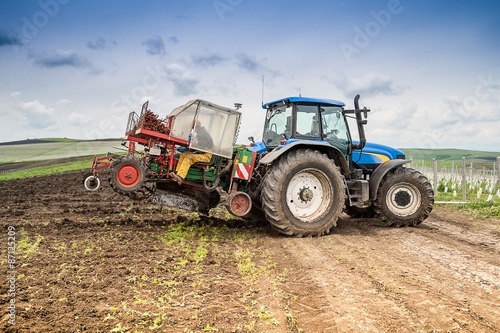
(313,144)
(379,173)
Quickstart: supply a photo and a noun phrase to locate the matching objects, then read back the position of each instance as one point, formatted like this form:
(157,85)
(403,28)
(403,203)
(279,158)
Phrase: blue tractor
(308,170)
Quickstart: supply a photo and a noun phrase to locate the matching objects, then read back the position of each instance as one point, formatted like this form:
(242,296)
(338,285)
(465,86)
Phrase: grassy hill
(450,157)
(53,148)
(37,157)
(449,154)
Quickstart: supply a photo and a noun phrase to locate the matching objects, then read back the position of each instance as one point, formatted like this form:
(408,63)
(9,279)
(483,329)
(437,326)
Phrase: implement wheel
(303,194)
(239,204)
(127,176)
(91,182)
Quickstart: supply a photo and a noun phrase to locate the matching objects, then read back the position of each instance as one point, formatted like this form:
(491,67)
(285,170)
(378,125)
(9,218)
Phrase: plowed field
(100,262)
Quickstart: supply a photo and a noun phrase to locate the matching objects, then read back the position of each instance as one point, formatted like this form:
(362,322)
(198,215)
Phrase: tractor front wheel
(404,198)
(303,194)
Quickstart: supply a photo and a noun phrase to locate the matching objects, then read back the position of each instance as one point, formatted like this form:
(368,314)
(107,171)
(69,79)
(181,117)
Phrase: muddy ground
(99,262)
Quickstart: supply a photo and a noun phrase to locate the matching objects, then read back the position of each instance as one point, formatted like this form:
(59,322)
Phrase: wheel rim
(128,176)
(92,183)
(240,204)
(403,199)
(309,195)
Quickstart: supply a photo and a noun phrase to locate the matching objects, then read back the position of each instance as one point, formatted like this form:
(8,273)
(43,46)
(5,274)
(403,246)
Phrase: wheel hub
(308,194)
(128,175)
(240,204)
(92,183)
(305,194)
(402,198)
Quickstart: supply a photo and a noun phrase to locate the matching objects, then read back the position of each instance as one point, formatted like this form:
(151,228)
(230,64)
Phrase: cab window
(334,127)
(308,124)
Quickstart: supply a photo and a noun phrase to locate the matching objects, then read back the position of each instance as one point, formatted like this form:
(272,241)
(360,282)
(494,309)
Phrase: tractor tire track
(441,276)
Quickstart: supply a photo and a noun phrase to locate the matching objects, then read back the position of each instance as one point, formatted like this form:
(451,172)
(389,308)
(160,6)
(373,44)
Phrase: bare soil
(100,262)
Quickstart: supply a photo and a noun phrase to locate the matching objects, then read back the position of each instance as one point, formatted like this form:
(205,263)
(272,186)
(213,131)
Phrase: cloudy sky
(429,70)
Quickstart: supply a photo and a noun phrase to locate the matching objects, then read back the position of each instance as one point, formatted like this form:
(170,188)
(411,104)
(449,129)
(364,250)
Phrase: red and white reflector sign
(243,165)
(243,171)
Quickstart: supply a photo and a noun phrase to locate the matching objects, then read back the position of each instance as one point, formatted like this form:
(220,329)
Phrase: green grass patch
(55,150)
(59,140)
(25,246)
(449,154)
(481,209)
(45,170)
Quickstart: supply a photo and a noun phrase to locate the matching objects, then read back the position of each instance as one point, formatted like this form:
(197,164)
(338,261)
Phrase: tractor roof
(300,99)
(183,108)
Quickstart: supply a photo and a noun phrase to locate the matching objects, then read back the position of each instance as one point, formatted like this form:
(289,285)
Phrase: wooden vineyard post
(434,167)
(498,171)
(464,182)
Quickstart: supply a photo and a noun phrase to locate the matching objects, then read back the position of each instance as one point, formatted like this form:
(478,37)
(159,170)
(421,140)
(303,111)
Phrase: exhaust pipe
(361,122)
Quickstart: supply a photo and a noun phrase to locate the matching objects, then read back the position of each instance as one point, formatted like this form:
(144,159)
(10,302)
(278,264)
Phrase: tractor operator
(201,139)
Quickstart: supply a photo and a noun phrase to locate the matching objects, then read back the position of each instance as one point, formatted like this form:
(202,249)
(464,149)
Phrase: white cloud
(155,46)
(184,82)
(101,44)
(62,58)
(247,62)
(371,84)
(62,102)
(79,119)
(207,60)
(58,58)
(37,115)
(401,117)
(10,39)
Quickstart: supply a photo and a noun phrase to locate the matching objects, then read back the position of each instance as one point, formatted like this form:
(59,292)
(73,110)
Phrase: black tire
(145,192)
(214,199)
(360,212)
(404,198)
(85,176)
(127,176)
(90,182)
(256,214)
(303,194)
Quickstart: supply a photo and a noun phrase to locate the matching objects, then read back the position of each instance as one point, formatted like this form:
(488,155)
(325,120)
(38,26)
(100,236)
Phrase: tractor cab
(301,118)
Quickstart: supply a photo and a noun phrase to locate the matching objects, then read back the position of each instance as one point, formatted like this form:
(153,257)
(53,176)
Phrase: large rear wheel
(404,198)
(303,194)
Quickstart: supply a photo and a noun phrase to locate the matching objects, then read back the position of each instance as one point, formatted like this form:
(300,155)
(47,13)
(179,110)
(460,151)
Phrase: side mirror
(252,140)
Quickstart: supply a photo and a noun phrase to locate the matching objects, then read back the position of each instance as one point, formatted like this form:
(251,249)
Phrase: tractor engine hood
(375,153)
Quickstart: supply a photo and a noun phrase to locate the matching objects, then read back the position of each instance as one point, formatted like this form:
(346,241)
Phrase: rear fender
(379,173)
(324,147)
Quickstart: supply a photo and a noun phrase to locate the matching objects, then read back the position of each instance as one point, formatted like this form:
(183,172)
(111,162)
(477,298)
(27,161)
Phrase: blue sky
(429,70)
